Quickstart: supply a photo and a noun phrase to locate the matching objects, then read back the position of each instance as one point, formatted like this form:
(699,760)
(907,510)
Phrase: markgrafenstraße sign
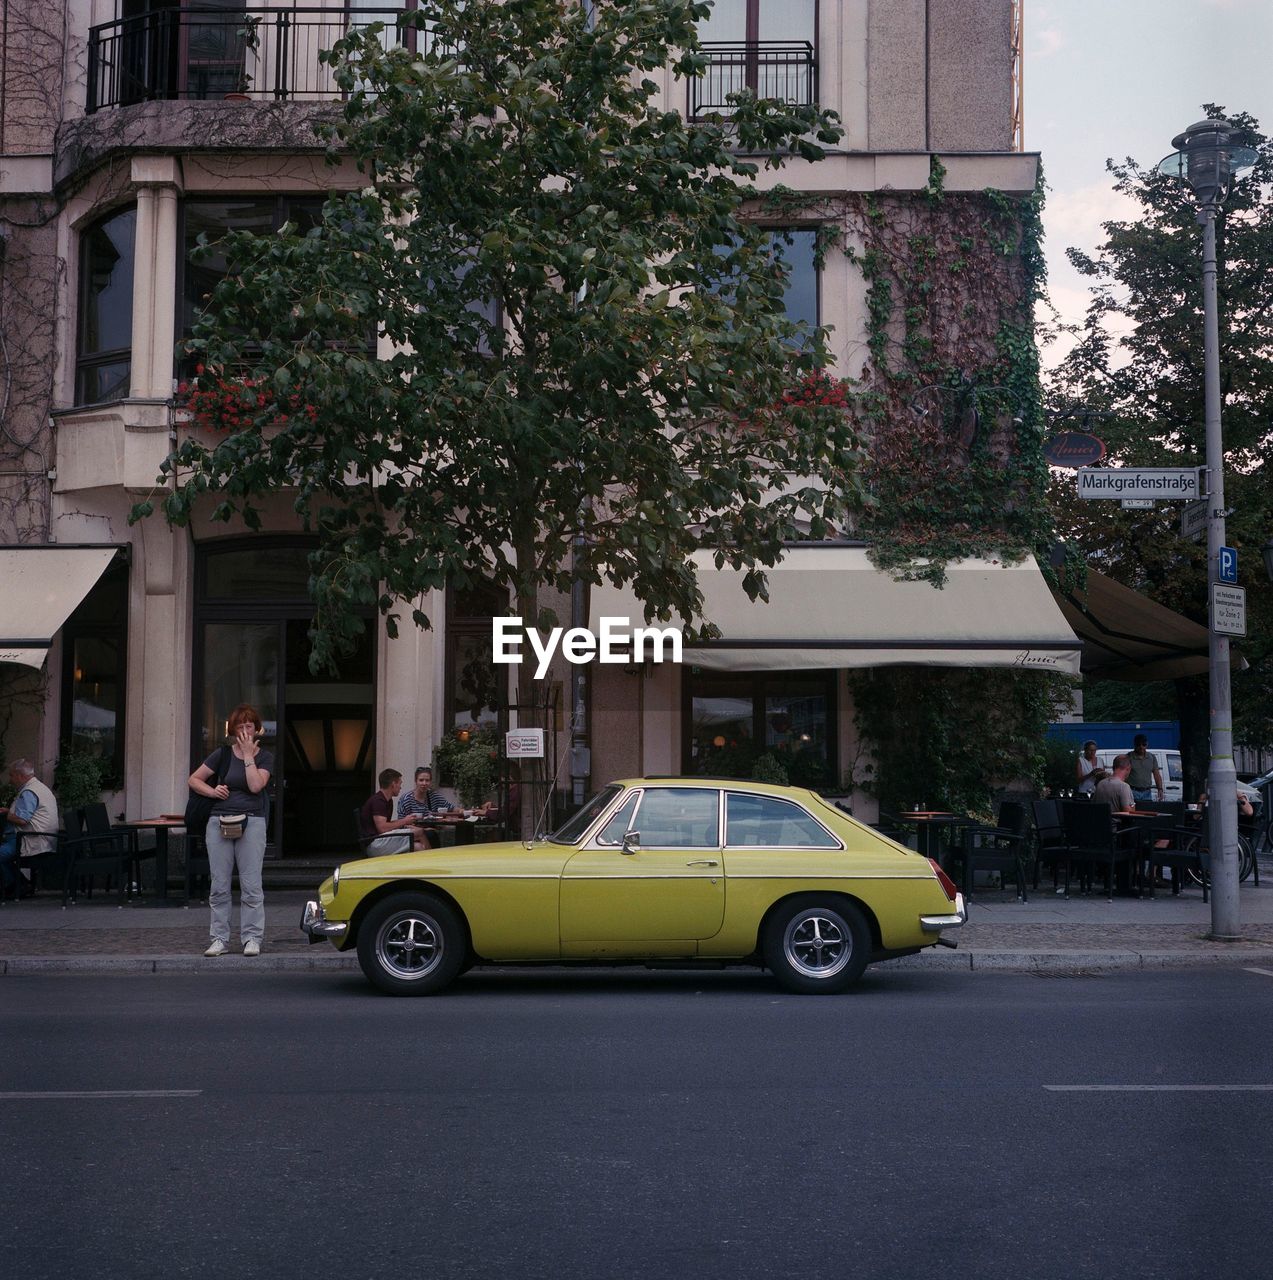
(1159,483)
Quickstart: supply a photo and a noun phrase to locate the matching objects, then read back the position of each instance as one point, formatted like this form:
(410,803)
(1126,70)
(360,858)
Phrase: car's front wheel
(816,945)
(412,944)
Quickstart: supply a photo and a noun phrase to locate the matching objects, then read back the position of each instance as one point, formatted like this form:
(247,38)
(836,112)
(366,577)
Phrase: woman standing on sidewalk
(242,773)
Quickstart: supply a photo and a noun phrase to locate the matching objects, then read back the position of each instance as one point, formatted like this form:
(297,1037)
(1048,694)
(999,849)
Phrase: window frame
(467,626)
(107,355)
(634,823)
(836,842)
(116,631)
(826,680)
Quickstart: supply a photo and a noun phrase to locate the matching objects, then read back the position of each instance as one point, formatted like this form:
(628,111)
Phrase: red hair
(244,713)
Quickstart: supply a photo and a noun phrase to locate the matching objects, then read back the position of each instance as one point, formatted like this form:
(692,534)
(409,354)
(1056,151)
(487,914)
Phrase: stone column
(158,183)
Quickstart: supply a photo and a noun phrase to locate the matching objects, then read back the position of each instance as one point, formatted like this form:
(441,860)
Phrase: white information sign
(1228,610)
(524,744)
(1137,504)
(1139,482)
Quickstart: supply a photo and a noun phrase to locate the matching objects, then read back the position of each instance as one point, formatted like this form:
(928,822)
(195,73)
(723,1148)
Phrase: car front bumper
(935,924)
(316,926)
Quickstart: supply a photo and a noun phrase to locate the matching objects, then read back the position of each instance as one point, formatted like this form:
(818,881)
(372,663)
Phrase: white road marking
(1159,1088)
(1268,973)
(100,1093)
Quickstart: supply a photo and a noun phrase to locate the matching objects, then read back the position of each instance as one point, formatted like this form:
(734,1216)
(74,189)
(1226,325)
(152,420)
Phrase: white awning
(830,607)
(39,589)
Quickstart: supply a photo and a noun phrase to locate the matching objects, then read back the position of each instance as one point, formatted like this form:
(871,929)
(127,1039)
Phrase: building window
(795,249)
(766,46)
(94,664)
(476,690)
(105,343)
(215,219)
(733,718)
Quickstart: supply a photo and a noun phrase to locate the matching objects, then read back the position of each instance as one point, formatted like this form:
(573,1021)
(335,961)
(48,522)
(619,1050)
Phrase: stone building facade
(129,126)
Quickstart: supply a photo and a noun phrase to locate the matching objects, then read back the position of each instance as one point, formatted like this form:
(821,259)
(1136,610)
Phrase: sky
(1119,78)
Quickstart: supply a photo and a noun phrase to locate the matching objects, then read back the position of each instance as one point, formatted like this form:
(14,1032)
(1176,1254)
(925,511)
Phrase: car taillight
(947,884)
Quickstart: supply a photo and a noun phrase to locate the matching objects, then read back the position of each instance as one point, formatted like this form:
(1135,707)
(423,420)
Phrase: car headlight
(335,882)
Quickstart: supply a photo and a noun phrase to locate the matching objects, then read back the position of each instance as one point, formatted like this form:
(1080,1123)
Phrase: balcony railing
(263,51)
(786,70)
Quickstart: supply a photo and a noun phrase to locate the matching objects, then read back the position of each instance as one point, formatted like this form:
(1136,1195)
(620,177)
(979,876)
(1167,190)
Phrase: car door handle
(704,862)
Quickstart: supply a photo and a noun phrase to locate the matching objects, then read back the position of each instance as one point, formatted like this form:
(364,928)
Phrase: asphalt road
(535,1124)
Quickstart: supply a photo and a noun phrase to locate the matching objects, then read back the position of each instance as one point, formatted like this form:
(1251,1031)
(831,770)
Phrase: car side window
(766,822)
(679,818)
(617,827)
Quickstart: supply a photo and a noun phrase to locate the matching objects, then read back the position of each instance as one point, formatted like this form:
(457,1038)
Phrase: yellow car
(673,871)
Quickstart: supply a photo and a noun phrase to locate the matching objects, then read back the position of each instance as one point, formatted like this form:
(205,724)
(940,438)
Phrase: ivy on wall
(950,406)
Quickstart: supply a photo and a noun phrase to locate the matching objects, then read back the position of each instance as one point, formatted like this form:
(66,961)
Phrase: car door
(660,894)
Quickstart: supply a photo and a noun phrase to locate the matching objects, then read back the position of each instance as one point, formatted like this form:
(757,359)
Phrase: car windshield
(574,827)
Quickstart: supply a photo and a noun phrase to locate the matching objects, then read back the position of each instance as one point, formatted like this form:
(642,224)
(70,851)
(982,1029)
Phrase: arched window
(106,309)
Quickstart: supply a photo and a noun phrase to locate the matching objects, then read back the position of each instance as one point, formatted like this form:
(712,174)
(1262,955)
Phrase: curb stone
(946,961)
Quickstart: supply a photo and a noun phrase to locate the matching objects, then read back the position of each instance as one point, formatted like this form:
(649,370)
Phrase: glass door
(252,615)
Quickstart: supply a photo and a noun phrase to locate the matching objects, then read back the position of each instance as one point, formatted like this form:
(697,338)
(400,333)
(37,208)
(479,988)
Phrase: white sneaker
(218,948)
(251,947)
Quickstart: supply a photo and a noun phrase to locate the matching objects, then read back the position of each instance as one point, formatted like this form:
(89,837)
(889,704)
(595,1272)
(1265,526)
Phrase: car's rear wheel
(816,945)
(412,944)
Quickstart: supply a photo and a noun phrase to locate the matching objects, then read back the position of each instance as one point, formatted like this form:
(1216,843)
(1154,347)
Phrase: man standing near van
(1145,774)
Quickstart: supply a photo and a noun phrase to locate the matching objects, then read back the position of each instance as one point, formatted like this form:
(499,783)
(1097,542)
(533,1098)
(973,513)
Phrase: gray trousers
(248,851)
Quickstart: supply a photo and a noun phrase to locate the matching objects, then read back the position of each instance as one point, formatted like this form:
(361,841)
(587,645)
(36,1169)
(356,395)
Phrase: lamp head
(1207,158)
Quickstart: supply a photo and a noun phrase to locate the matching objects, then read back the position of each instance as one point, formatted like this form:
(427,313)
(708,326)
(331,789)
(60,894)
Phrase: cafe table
(928,824)
(161,826)
(456,829)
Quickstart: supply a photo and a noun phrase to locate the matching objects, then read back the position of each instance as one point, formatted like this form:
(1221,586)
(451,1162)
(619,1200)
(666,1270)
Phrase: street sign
(524,744)
(1139,482)
(1228,568)
(1193,521)
(1228,610)
(1137,504)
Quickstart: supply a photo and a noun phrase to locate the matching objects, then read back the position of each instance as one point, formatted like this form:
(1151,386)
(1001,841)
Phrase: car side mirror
(631,842)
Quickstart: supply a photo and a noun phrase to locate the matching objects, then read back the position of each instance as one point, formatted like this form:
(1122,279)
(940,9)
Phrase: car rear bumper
(316,926)
(935,924)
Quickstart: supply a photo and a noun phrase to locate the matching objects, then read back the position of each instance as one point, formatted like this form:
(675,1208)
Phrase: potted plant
(474,778)
(77,779)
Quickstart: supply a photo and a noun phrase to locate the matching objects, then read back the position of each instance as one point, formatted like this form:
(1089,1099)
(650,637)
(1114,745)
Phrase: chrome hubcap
(409,945)
(817,943)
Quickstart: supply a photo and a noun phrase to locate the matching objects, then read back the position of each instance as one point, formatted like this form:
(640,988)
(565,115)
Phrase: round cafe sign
(1073,449)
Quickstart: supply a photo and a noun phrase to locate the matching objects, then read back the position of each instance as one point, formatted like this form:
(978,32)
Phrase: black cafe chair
(1093,841)
(97,824)
(1170,844)
(88,856)
(1050,846)
(1000,848)
(360,836)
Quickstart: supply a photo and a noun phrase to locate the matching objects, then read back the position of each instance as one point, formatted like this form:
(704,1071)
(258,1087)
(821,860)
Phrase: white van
(1173,776)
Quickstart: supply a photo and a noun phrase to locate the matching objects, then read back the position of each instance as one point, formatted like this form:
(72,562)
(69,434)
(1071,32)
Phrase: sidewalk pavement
(1045,933)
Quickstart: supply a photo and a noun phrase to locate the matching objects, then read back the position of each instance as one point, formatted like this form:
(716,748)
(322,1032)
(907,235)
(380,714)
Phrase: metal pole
(1222,791)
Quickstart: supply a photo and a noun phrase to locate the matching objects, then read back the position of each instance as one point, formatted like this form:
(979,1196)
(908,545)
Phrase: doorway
(252,618)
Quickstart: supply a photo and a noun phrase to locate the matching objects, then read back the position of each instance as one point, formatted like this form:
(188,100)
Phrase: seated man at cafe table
(33,810)
(389,834)
(1114,790)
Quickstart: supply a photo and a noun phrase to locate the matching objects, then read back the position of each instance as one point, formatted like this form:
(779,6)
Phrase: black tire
(1246,860)
(412,944)
(816,945)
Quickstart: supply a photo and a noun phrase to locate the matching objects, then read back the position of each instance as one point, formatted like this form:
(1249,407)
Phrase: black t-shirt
(240,799)
(379,803)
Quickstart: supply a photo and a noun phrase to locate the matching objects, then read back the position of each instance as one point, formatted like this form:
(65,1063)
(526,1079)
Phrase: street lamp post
(1207,158)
